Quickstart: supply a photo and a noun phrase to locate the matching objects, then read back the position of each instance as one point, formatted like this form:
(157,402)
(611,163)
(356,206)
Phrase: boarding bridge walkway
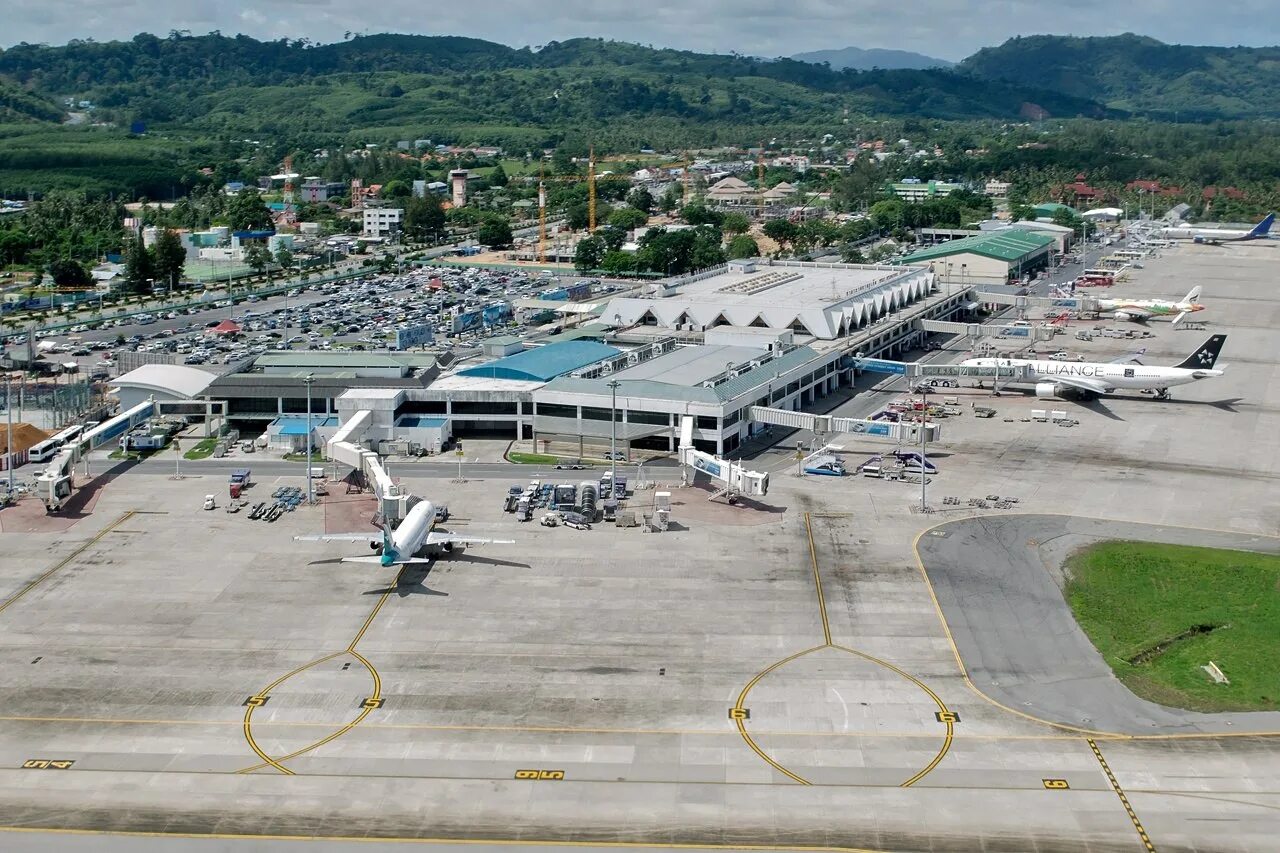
(343,447)
(831,424)
(915,370)
(1079,304)
(978,330)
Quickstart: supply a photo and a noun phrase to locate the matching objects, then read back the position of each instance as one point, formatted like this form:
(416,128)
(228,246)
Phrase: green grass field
(1158,613)
(202,450)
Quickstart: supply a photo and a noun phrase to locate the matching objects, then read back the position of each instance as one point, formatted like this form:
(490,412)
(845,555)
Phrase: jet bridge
(731,478)
(979,330)
(55,483)
(1081,304)
(344,448)
(829,424)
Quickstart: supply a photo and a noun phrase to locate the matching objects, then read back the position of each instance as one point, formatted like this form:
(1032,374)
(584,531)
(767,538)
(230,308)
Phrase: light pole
(924,472)
(8,436)
(311,497)
(613,431)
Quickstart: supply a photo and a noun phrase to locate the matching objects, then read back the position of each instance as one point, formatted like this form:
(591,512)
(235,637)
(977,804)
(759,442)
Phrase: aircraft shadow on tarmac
(412,581)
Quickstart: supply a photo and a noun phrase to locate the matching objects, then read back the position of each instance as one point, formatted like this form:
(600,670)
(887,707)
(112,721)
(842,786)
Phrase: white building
(382,222)
(996,189)
(819,300)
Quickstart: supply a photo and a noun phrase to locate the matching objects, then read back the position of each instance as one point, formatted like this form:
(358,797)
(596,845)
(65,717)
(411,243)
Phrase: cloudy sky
(950,29)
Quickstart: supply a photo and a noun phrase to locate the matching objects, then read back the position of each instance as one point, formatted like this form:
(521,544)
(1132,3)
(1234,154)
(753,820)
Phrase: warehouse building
(986,259)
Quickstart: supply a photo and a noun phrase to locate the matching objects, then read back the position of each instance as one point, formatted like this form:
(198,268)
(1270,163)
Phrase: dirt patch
(1150,654)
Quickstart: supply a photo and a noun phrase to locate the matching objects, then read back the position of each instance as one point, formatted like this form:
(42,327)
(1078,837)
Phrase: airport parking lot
(785,682)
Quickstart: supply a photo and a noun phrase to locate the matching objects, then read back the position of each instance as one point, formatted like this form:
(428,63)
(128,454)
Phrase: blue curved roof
(542,364)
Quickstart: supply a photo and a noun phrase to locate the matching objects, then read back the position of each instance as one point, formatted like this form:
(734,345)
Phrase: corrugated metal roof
(783,364)
(544,363)
(176,379)
(297,424)
(349,360)
(1011,245)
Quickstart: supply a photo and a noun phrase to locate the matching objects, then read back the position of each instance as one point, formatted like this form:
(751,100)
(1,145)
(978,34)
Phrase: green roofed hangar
(986,259)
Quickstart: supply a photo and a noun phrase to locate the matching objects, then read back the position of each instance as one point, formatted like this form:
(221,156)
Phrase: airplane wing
(1131,358)
(443,538)
(378,560)
(371,536)
(1085,384)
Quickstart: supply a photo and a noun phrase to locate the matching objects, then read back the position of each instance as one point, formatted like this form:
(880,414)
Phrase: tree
(576,216)
(257,257)
(423,218)
(498,177)
(851,254)
(170,257)
(69,273)
(139,267)
(494,232)
(781,231)
(697,213)
(394,190)
(641,199)
(284,258)
(742,246)
(670,199)
(1020,212)
(248,212)
(613,237)
(735,223)
(628,218)
(617,261)
(888,214)
(1067,218)
(589,254)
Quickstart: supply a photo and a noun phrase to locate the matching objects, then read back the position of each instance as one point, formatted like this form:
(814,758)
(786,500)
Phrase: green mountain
(864,59)
(398,86)
(20,106)
(1140,74)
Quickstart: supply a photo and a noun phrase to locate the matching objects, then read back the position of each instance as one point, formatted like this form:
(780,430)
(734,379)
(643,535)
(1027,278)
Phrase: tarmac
(780,675)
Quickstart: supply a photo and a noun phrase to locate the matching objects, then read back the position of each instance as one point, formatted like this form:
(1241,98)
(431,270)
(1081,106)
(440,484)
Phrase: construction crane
(591,189)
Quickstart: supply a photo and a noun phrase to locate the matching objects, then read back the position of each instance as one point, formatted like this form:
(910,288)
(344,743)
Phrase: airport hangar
(708,345)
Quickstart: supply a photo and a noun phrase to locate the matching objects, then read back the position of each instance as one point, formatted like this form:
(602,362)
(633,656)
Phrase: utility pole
(924,473)
(8,440)
(613,431)
(311,496)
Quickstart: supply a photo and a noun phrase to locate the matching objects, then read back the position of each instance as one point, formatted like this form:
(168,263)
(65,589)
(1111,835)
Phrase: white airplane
(1217,236)
(401,546)
(1060,379)
(1141,310)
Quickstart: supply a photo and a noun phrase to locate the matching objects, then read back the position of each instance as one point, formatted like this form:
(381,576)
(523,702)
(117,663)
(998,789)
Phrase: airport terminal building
(710,346)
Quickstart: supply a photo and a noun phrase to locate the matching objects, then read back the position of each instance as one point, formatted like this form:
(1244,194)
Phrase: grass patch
(1158,613)
(316,456)
(135,455)
(203,450)
(532,458)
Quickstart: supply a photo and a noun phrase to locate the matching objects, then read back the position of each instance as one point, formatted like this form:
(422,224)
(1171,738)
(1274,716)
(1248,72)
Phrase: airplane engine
(376,547)
(1120,315)
(1047,389)
(447,547)
(1199,239)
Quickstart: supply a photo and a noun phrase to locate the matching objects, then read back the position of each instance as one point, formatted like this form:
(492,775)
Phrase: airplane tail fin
(1193,295)
(1205,356)
(1263,227)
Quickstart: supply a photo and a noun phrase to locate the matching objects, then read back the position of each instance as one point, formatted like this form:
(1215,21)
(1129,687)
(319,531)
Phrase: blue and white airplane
(1217,236)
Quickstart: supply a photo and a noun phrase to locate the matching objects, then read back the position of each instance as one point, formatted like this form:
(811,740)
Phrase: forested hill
(17,106)
(447,85)
(1140,74)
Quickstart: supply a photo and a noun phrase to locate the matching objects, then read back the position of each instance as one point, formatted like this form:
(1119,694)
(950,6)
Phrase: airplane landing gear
(1163,394)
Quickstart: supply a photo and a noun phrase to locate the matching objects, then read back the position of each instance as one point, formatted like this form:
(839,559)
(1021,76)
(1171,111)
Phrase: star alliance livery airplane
(1083,379)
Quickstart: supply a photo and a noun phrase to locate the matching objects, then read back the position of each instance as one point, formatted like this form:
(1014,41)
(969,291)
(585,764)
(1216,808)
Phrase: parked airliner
(415,534)
(1059,379)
